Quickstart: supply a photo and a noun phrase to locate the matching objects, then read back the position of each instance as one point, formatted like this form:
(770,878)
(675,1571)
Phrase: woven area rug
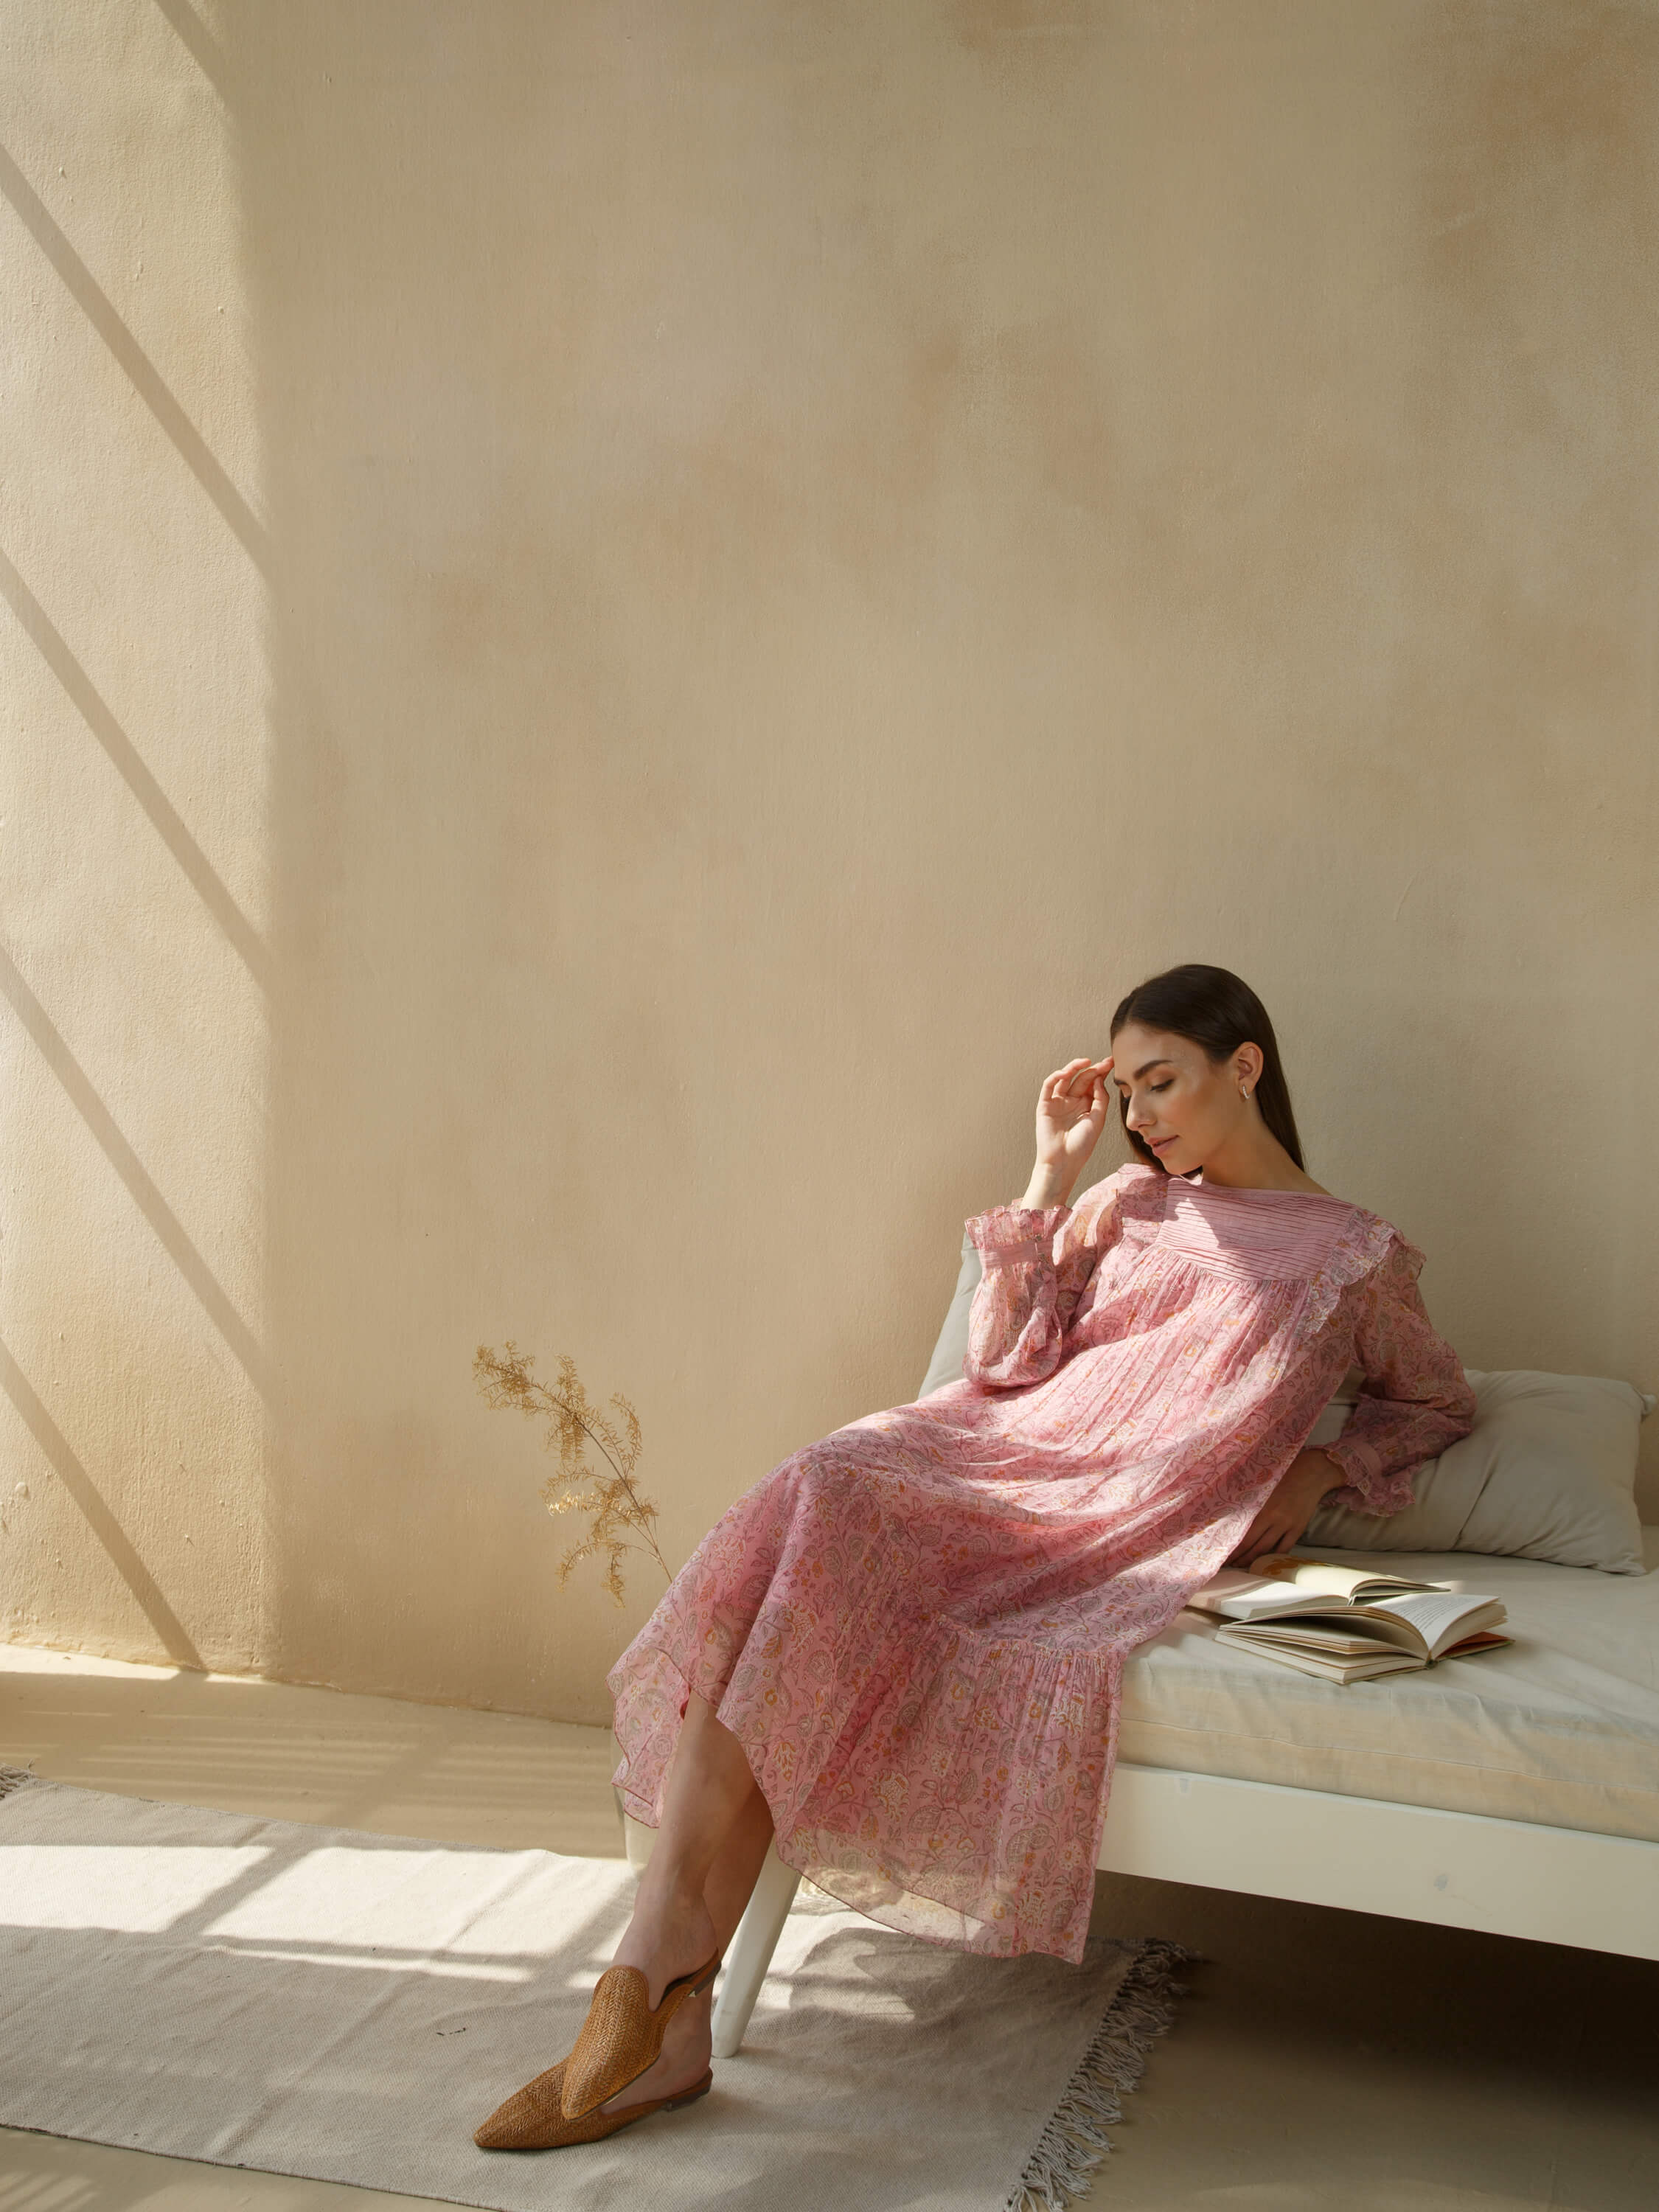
(348,2006)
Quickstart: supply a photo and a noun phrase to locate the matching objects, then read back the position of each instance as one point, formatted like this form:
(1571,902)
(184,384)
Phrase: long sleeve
(1415,1400)
(1038,1264)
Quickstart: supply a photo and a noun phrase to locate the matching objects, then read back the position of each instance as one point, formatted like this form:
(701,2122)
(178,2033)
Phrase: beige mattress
(1561,1727)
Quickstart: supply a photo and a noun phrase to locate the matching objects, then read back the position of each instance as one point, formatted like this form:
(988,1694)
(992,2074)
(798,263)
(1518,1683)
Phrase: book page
(1237,1595)
(1439,1618)
(1328,1666)
(1484,1639)
(1327,1576)
(1329,1634)
(1323,1575)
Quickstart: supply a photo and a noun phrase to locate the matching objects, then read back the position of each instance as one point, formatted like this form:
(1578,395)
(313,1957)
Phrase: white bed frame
(1366,1854)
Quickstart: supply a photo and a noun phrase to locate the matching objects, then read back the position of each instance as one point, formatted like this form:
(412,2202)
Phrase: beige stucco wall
(632,616)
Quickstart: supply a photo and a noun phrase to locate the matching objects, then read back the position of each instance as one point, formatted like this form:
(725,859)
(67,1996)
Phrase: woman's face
(1180,1103)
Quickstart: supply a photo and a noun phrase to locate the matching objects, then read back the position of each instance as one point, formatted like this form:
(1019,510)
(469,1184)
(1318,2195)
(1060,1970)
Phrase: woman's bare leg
(709,1784)
(714,1832)
(731,1878)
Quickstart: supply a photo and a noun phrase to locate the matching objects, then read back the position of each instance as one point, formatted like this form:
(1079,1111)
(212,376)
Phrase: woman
(901,1652)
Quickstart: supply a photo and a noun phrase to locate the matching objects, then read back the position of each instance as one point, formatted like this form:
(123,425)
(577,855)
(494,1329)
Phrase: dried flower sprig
(622,1516)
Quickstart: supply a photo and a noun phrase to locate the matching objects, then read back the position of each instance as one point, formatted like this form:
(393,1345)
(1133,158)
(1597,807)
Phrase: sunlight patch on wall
(134,967)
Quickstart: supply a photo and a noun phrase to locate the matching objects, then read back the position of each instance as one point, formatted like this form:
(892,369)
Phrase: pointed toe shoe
(532,2117)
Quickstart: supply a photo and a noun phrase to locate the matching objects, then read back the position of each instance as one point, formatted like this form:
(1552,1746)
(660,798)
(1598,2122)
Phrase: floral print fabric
(917,1626)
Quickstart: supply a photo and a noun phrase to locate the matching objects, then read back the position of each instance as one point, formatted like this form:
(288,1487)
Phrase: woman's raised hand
(1071,1113)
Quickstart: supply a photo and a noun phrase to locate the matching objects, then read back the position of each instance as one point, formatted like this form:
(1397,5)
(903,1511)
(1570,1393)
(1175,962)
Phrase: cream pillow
(1548,1472)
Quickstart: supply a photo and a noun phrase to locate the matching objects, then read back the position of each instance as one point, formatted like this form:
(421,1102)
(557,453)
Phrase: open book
(1346,1623)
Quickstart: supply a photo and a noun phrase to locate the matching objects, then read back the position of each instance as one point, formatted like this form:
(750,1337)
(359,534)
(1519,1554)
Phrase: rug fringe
(1075,2141)
(14,1777)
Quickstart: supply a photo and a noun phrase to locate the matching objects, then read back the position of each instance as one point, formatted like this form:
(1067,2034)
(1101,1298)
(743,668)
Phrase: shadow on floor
(245,1746)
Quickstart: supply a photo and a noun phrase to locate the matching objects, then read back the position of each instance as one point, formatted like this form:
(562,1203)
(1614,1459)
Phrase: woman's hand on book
(1291,1504)
(1071,1113)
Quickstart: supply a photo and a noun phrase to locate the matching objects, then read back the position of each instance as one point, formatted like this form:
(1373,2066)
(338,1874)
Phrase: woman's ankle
(669,1935)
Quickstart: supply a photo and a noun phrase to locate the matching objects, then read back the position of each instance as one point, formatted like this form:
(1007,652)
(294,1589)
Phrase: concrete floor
(1323,2060)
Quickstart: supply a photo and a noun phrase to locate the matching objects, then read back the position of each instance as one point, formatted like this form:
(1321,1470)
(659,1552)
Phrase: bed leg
(749,1952)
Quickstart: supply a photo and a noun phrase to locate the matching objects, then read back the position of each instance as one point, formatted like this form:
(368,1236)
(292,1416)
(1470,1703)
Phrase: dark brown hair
(1218,1012)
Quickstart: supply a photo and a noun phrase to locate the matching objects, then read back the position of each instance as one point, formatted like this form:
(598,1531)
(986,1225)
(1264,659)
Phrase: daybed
(1515,1792)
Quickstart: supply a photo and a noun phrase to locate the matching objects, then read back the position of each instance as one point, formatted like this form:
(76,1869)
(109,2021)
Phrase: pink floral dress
(917,1626)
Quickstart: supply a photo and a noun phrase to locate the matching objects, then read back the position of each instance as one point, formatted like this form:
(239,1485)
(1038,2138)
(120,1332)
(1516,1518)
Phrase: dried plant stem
(620,1516)
(644,1513)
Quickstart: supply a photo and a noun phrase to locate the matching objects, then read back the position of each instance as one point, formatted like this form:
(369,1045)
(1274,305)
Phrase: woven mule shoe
(621,2037)
(530,2118)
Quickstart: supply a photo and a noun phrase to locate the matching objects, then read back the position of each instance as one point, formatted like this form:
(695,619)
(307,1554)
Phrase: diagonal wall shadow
(125,1162)
(209,56)
(103,1524)
(210,472)
(169,824)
